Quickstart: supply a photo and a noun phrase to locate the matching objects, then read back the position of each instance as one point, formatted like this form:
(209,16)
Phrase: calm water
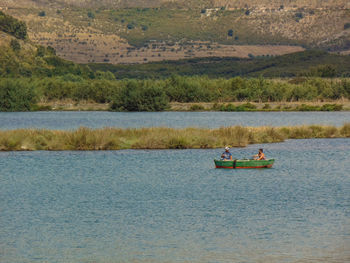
(72,120)
(173,206)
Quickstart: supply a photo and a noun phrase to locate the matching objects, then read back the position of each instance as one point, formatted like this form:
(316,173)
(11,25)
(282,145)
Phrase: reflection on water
(173,206)
(73,120)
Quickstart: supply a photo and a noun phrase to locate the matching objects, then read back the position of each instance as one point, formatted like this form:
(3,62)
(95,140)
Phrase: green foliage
(325,107)
(190,89)
(42,13)
(323,71)
(243,107)
(51,51)
(140,96)
(91,14)
(290,65)
(13,26)
(37,62)
(40,52)
(130,26)
(16,95)
(298,16)
(197,107)
(15,45)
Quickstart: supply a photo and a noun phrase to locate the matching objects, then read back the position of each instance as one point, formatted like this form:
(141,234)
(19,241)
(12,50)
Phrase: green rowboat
(244,164)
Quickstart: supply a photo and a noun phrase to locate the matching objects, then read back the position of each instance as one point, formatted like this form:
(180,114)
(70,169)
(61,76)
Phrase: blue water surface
(73,120)
(174,206)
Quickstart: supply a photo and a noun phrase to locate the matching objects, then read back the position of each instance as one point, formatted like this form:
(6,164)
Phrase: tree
(140,96)
(247,12)
(42,13)
(230,33)
(326,71)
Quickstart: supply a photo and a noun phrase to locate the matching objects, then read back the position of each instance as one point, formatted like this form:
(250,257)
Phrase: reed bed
(160,137)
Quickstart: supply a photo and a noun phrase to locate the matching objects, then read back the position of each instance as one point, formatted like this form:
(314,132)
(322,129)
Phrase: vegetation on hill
(13,26)
(141,31)
(312,63)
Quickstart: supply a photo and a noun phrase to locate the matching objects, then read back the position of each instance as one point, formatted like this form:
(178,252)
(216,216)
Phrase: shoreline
(160,137)
(338,105)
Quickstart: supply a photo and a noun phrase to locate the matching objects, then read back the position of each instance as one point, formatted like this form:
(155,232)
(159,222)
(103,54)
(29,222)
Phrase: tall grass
(160,137)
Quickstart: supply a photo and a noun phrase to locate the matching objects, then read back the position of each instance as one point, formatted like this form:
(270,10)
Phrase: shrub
(304,107)
(326,71)
(16,95)
(331,107)
(345,130)
(130,26)
(346,26)
(91,15)
(40,52)
(15,45)
(196,107)
(299,15)
(247,12)
(144,97)
(42,13)
(230,33)
(267,106)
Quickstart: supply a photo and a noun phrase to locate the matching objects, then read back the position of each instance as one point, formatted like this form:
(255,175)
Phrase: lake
(73,120)
(173,206)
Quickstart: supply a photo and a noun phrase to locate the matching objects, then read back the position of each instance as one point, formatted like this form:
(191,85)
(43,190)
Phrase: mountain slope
(137,31)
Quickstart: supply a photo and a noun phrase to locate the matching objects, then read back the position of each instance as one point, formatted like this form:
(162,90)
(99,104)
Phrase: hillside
(135,31)
(302,64)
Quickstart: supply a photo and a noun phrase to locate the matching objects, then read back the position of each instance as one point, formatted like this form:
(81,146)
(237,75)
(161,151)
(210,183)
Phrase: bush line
(160,137)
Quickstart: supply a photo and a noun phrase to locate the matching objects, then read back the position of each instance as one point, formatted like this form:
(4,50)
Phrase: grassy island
(160,137)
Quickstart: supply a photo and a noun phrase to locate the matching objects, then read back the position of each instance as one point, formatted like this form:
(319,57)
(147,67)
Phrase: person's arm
(231,157)
(261,157)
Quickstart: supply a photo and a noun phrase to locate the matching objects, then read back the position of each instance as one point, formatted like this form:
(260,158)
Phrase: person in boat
(260,155)
(226,155)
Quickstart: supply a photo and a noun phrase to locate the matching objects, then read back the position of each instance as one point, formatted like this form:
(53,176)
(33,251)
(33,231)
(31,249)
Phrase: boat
(244,164)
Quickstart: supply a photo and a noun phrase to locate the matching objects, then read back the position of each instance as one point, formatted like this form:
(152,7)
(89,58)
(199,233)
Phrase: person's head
(227,149)
(261,150)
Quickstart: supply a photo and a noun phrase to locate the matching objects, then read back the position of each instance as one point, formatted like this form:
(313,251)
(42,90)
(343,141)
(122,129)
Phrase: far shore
(159,137)
(69,105)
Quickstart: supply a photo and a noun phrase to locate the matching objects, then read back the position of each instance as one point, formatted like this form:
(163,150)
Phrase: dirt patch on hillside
(101,48)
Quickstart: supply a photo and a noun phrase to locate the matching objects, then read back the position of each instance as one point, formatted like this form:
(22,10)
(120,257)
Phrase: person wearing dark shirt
(226,155)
